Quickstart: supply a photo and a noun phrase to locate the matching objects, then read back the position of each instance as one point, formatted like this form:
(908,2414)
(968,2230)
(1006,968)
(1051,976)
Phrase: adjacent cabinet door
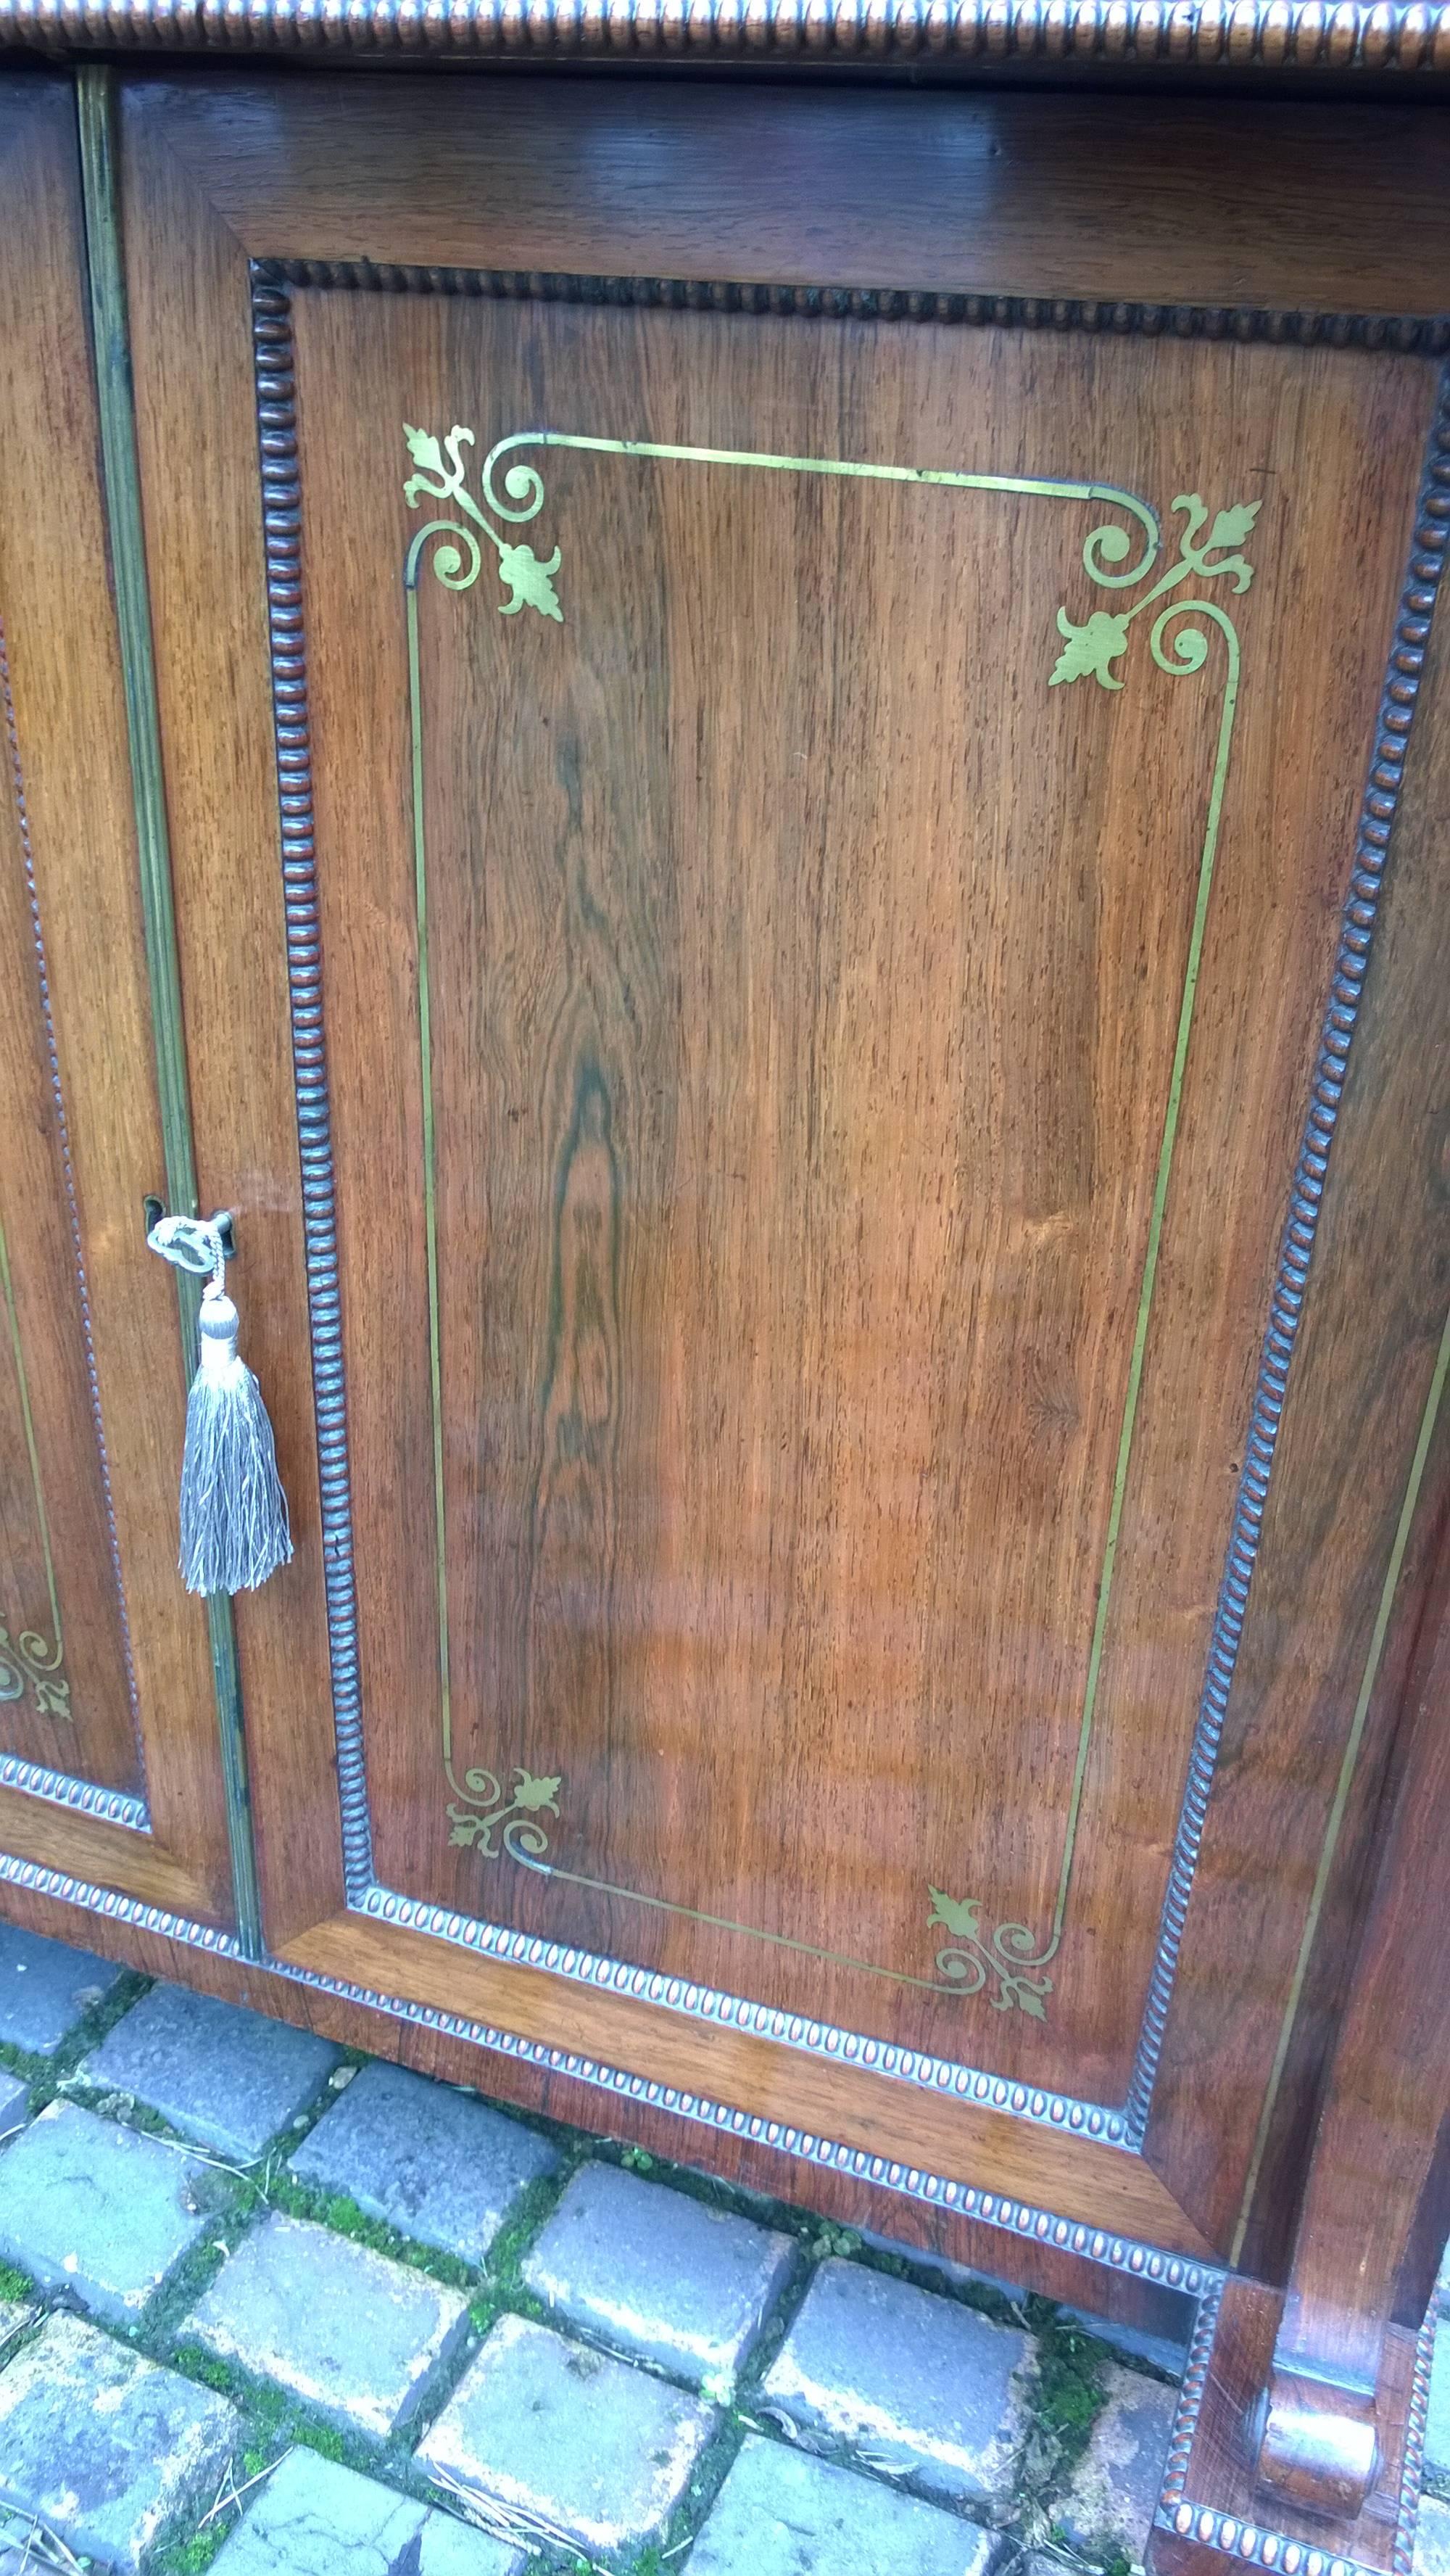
(110,1762)
(797,702)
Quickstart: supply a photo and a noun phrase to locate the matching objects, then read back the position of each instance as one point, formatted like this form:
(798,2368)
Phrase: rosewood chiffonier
(731,710)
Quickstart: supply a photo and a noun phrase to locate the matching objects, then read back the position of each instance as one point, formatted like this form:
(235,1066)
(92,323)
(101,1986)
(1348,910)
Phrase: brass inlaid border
(281,488)
(1006,1960)
(121,480)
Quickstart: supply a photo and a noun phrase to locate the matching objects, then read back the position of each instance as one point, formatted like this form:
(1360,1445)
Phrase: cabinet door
(110,1775)
(824,875)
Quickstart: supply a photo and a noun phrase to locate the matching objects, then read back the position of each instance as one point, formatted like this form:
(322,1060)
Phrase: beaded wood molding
(1284,37)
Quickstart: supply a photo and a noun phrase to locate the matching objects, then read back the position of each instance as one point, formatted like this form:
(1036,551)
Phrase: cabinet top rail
(1078,40)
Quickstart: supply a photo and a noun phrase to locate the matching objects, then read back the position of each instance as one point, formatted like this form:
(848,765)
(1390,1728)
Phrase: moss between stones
(1067,2395)
(47,2075)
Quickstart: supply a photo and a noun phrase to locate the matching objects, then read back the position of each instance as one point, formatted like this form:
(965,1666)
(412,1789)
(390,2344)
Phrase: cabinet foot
(1215,2506)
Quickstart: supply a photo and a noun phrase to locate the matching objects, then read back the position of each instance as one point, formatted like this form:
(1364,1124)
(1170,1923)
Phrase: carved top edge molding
(1411,334)
(1268,37)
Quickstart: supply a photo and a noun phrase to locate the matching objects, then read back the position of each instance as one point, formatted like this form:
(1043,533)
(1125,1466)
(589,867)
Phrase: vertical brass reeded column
(96,107)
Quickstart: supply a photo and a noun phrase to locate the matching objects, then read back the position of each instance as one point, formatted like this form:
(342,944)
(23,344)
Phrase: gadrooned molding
(1030,2102)
(1266,38)
(82,1797)
(1412,334)
(991,2209)
(1256,2545)
(83,1289)
(1357,925)
(281,528)
(1190,2397)
(1412,2467)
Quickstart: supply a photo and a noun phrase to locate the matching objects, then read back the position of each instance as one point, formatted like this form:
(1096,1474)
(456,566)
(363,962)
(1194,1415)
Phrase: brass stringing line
(1155,1226)
(430,1195)
(1110,495)
(722,1923)
(1344,1782)
(7,1289)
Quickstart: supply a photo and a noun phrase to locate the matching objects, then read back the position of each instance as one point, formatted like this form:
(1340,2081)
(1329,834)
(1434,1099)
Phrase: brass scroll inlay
(1008,1962)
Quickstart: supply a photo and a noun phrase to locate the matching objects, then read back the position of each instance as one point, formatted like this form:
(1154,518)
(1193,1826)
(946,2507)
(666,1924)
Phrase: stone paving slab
(1113,2493)
(1432,2538)
(104,2446)
(916,2386)
(438,2165)
(597,2451)
(103,2212)
(46,1988)
(224,2076)
(448,2547)
(658,2275)
(14,2105)
(784,2513)
(1162,2338)
(362,2339)
(315,2518)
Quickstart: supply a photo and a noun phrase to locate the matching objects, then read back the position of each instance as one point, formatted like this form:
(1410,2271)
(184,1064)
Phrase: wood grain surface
(1286,206)
(1363,1375)
(73,1191)
(805,980)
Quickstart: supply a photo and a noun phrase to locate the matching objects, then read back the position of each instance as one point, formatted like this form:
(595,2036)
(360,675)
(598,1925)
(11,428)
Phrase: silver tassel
(234,1528)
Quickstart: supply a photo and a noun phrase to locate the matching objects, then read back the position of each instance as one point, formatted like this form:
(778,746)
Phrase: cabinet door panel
(814,839)
(108,1743)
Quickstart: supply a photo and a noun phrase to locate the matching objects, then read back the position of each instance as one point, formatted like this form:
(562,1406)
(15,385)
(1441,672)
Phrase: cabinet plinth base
(1215,2509)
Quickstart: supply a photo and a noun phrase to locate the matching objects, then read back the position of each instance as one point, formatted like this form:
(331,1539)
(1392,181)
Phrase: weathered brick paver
(224,2076)
(918,2386)
(436,2164)
(46,1988)
(105,2447)
(100,2211)
(362,2339)
(1116,2484)
(657,2275)
(783,2513)
(313,2517)
(596,2451)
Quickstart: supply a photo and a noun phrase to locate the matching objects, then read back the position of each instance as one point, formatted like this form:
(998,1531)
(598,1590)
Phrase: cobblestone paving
(269,2308)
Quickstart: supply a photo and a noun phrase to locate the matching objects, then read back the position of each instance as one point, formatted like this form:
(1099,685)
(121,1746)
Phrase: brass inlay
(29,1662)
(1010,1959)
